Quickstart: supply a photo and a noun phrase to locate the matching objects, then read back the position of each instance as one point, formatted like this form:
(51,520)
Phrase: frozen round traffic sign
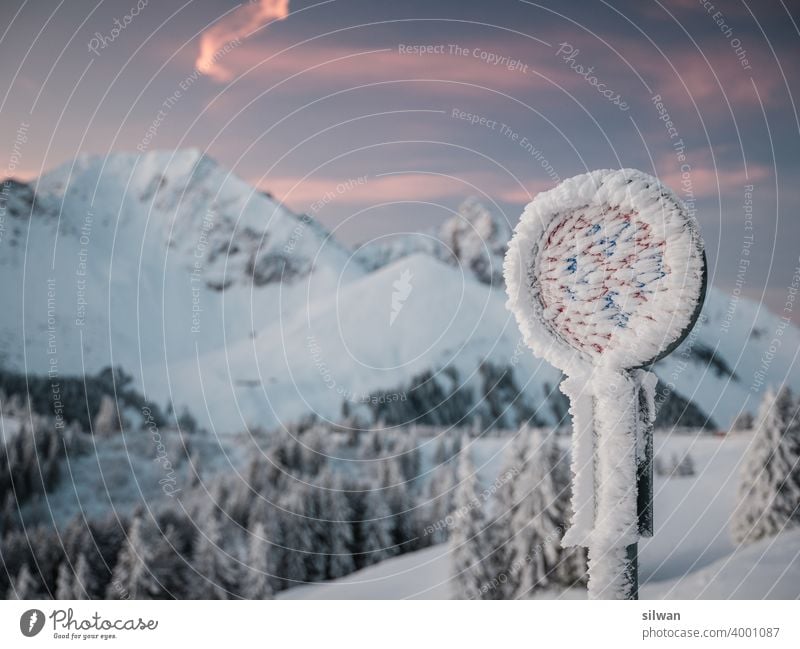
(606,268)
(605,275)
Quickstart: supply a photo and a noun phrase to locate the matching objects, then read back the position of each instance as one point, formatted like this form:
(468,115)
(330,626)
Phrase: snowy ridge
(131,225)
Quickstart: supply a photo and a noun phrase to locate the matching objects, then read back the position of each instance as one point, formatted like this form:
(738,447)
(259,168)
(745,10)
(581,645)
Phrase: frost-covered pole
(605,275)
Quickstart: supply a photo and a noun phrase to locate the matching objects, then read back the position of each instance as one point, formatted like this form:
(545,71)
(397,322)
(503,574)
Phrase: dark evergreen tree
(372,526)
(394,490)
(47,555)
(107,536)
(409,457)
(170,561)
(744,421)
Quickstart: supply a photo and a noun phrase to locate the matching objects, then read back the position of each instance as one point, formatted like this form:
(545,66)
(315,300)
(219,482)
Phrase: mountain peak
(477,238)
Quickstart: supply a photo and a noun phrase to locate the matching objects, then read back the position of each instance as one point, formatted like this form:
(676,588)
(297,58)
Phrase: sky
(398,111)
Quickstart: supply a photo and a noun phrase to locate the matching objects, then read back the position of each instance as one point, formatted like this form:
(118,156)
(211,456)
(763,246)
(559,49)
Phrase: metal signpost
(606,274)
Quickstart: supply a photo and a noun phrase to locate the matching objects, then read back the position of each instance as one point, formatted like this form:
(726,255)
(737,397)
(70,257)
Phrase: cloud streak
(337,65)
(233,27)
(298,193)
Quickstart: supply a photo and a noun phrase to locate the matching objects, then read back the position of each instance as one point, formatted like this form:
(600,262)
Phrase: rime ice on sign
(606,274)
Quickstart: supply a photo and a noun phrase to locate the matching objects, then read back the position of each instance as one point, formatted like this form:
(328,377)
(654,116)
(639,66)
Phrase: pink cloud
(708,76)
(710,82)
(339,65)
(21,175)
(681,73)
(300,194)
(707,180)
(523,195)
(233,27)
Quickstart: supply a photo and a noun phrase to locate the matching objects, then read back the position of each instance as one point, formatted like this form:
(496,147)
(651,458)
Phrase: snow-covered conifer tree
(84,583)
(505,504)
(106,421)
(468,549)
(132,577)
(75,581)
(256,579)
(216,569)
(339,531)
(769,490)
(25,586)
(294,540)
(65,582)
(538,518)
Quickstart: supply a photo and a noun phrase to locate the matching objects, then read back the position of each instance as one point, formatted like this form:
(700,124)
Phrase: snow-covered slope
(348,347)
(769,569)
(123,260)
(213,295)
(425,574)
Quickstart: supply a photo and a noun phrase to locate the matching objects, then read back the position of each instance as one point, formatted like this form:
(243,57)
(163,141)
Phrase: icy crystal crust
(604,269)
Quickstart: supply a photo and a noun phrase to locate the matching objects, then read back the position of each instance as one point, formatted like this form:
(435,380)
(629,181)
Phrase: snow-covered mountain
(214,296)
(144,261)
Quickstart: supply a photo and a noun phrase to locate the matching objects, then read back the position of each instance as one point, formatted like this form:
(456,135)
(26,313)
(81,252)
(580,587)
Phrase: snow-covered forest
(163,512)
